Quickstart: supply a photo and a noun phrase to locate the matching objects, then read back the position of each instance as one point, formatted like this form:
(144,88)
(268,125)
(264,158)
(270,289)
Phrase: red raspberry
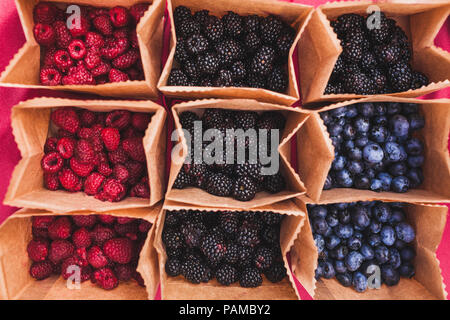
(100,234)
(49,57)
(37,250)
(144,226)
(135,170)
(140,190)
(126,60)
(69,180)
(52,162)
(95,12)
(138,10)
(119,16)
(63,60)
(81,169)
(129,230)
(42,222)
(92,58)
(101,69)
(51,181)
(60,250)
(121,33)
(113,191)
(68,268)
(93,183)
(50,76)
(124,272)
(134,148)
(94,40)
(66,118)
(104,169)
(120,172)
(84,152)
(87,118)
(103,25)
(39,233)
(107,219)
(119,119)
(78,76)
(87,221)
(119,250)
(97,258)
(82,29)
(131,132)
(118,156)
(114,47)
(63,36)
(41,270)
(77,49)
(44,12)
(50,145)
(44,34)
(117,76)
(140,120)
(105,278)
(60,228)
(111,138)
(64,134)
(85,133)
(134,42)
(81,238)
(81,256)
(65,147)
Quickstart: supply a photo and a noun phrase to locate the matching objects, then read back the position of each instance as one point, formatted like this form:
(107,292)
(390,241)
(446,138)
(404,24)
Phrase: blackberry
(182,181)
(284,43)
(271,235)
(256,81)
(206,82)
(173,267)
(252,42)
(238,70)
(250,278)
(181,54)
(252,170)
(202,17)
(208,63)
(245,120)
(195,271)
(383,33)
(277,80)
(186,28)
(270,28)
(271,218)
(213,246)
(174,253)
(399,38)
(251,23)
(195,169)
(262,62)
(419,80)
(172,219)
(187,119)
(212,118)
(224,79)
(334,88)
(352,51)
(229,222)
(202,180)
(232,23)
(400,76)
(219,185)
(359,83)
(181,13)
(214,29)
(228,51)
(379,79)
(388,54)
(196,44)
(226,275)
(190,69)
(368,61)
(263,258)
(244,189)
(192,233)
(232,254)
(276,272)
(248,235)
(172,238)
(177,78)
(245,256)
(338,68)
(271,120)
(274,183)
(346,22)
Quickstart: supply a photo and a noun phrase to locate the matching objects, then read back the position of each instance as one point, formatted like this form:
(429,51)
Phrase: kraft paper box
(315,154)
(177,288)
(17,284)
(30,122)
(24,68)
(428,221)
(295,118)
(295,14)
(319,46)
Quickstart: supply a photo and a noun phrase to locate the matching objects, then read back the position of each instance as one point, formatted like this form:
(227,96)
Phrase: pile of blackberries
(373,60)
(355,239)
(240,180)
(375,146)
(229,246)
(232,51)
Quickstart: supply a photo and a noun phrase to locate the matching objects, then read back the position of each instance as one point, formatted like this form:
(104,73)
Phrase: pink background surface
(12,38)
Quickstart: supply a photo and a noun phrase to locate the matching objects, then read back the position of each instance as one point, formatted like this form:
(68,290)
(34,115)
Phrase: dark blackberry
(252,170)
(229,222)
(213,246)
(274,183)
(186,28)
(244,189)
(262,62)
(181,13)
(399,38)
(192,233)
(191,70)
(214,29)
(256,81)
(252,42)
(177,78)
(250,278)
(212,118)
(245,256)
(196,44)
(238,70)
(271,235)
(251,23)
(219,185)
(276,272)
(351,51)
(202,17)
(346,22)
(201,181)
(271,120)
(248,235)
(187,119)
(271,218)
(359,83)
(232,254)
(419,80)
(226,275)
(195,271)
(206,82)
(173,267)
(368,61)
(224,79)
(175,253)
(270,29)
(388,54)
(277,80)
(228,51)
(284,43)
(245,120)
(172,238)
(263,258)
(182,181)
(381,34)
(379,79)
(172,219)
(195,169)
(208,63)
(334,88)
(181,54)
(232,23)
(400,76)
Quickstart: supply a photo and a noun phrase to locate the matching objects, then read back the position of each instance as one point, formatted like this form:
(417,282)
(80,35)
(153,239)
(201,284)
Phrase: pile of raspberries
(103,48)
(100,153)
(104,247)
(227,245)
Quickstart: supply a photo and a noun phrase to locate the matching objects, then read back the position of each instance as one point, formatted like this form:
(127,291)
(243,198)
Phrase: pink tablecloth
(12,37)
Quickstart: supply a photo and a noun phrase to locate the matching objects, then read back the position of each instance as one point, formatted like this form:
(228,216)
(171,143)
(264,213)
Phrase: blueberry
(394,152)
(355,167)
(332,220)
(397,216)
(354,154)
(338,112)
(416,121)
(354,243)
(373,240)
(367,252)
(339,163)
(320,242)
(405,232)
(380,108)
(351,111)
(414,147)
(398,169)
(399,244)
(376,185)
(400,184)
(344,216)
(381,254)
(336,142)
(343,231)
(370,173)
(324,255)
(379,133)
(349,145)
(328,183)
(332,242)
(328,232)
(319,225)
(380,120)
(344,178)
(344,279)
(408,108)
(373,153)
(334,129)
(415,177)
(359,282)
(393,108)
(340,206)
(341,121)
(375,226)
(387,235)
(339,266)
(360,217)
(328,270)
(319,212)
(399,125)
(415,161)
(353,260)
(366,109)
(362,124)
(382,212)
(348,132)
(361,140)
(394,258)
(389,275)
(340,252)
(386,181)
(326,117)
(391,138)
(406,270)
(362,182)
(319,271)
(368,267)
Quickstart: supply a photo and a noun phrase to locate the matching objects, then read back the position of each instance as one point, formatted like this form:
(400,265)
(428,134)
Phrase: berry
(173,267)
(82,29)
(213,247)
(119,250)
(81,238)
(271,28)
(134,148)
(62,35)
(276,272)
(138,10)
(44,12)
(214,29)
(277,80)
(244,189)
(84,152)
(93,183)
(250,278)
(226,275)
(119,16)
(114,48)
(52,162)
(126,60)
(60,250)
(117,76)
(262,62)
(87,221)
(274,183)
(196,44)
(50,77)
(59,228)
(219,184)
(66,118)
(41,270)
(113,191)
(101,234)
(105,278)
(77,49)
(38,250)
(263,258)
(207,64)
(44,34)
(177,78)
(232,23)
(111,138)
(400,76)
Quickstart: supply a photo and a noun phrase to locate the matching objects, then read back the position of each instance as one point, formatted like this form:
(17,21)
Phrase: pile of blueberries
(375,146)
(355,239)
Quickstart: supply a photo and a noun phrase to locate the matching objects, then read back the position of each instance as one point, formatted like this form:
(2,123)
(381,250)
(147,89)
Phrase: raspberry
(44,34)
(119,16)
(100,233)
(135,170)
(59,228)
(95,12)
(113,191)
(103,25)
(140,190)
(121,33)
(62,33)
(93,183)
(69,180)
(87,118)
(41,270)
(118,156)
(81,169)
(62,60)
(140,121)
(126,60)
(81,238)
(84,152)
(52,162)
(104,169)
(65,147)
(144,226)
(50,77)
(94,40)
(49,57)
(42,222)
(120,173)
(124,272)
(67,265)
(66,118)
(44,12)
(78,76)
(105,278)
(60,250)
(87,221)
(64,134)
(124,220)
(117,76)
(134,148)
(114,47)
(107,219)
(111,138)
(37,250)
(82,29)
(77,49)
(51,181)
(134,42)
(119,250)
(97,258)
(101,69)
(138,10)
(118,119)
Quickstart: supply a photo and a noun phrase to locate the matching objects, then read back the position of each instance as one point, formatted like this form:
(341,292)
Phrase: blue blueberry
(373,240)
(340,252)
(414,147)
(332,220)
(399,125)
(340,206)
(361,124)
(319,212)
(399,244)
(373,153)
(345,279)
(348,132)
(381,254)
(415,177)
(362,182)
(415,161)
(324,255)
(355,167)
(344,178)
(339,266)
(367,252)
(366,109)
(380,120)
(319,271)
(359,282)
(381,212)
(405,232)
(394,258)
(360,217)
(336,141)
(326,117)
(353,260)
(400,184)
(349,145)
(406,270)
(328,183)
(390,276)
(343,231)
(328,270)
(408,108)
(320,242)
(397,216)
(393,108)
(387,235)
(379,133)
(354,154)
(351,111)
(328,232)
(338,112)
(380,108)
(386,180)
(354,243)
(398,169)
(332,242)
(416,121)
(375,226)
(339,163)
(391,138)
(334,129)
(361,140)
(344,216)
(376,185)
(394,152)
(370,173)
(319,225)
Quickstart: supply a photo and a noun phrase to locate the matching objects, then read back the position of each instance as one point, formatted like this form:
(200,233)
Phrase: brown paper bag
(319,46)
(16,283)
(428,221)
(295,118)
(295,14)
(177,288)
(316,154)
(30,122)
(23,70)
